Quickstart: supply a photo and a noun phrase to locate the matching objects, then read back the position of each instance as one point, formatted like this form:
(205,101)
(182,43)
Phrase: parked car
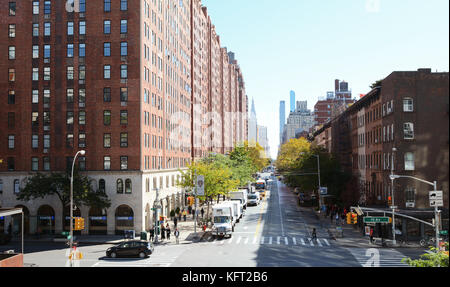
(130,249)
(253,199)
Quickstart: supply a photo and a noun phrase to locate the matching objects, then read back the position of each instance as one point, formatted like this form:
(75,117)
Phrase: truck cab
(222,220)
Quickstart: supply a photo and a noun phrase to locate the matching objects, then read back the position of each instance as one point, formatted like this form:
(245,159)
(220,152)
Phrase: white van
(236,205)
(253,199)
(240,195)
(222,220)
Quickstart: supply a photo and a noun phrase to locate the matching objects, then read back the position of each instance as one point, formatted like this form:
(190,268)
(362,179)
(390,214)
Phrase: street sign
(436,203)
(201,185)
(436,195)
(323,190)
(377,219)
(393,207)
(443,232)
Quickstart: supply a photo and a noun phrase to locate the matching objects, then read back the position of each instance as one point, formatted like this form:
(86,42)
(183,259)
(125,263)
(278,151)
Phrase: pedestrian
(337,218)
(184,215)
(168,231)
(313,234)
(203,212)
(177,234)
(175,222)
(371,235)
(190,209)
(179,215)
(152,233)
(163,231)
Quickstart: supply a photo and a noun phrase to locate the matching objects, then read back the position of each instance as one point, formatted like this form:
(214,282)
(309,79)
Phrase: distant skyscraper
(252,125)
(292,102)
(282,118)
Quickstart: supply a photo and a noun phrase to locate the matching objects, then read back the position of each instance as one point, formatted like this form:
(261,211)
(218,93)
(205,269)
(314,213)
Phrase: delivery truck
(222,220)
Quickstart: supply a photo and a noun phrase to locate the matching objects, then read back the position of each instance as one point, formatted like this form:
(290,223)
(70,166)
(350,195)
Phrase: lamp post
(393,195)
(82,152)
(156,206)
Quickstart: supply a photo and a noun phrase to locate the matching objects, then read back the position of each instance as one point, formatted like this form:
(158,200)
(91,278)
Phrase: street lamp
(82,152)
(393,193)
(156,206)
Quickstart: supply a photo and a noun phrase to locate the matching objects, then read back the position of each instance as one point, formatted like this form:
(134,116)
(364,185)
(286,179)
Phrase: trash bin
(144,236)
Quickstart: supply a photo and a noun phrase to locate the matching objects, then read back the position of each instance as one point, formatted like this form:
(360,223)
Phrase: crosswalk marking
(246,241)
(326,241)
(311,242)
(303,241)
(288,241)
(262,240)
(378,257)
(293,240)
(254,240)
(278,240)
(231,240)
(270,240)
(318,242)
(239,240)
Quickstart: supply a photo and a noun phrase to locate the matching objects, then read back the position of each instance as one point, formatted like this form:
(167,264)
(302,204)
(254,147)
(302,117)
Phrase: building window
(408,130)
(70,73)
(82,71)
(82,28)
(35,96)
(106,140)
(46,141)
(12,8)
(410,194)
(123,139)
(123,26)
(11,141)
(107,95)
(35,51)
(124,117)
(46,73)
(35,141)
(16,186)
(82,6)
(35,74)
(12,75)
(35,7)
(47,7)
(107,49)
(82,50)
(119,186)
(408,105)
(409,161)
(123,5)
(107,5)
(123,71)
(47,29)
(70,28)
(69,118)
(107,27)
(12,53)
(124,163)
(46,51)
(34,119)
(70,95)
(82,118)
(128,186)
(35,29)
(123,49)
(46,119)
(69,140)
(107,163)
(101,185)
(82,163)
(124,94)
(46,96)
(82,95)
(46,163)
(12,30)
(69,50)
(107,118)
(107,72)
(34,163)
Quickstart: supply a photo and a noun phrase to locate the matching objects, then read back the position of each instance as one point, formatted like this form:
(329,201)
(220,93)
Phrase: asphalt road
(274,234)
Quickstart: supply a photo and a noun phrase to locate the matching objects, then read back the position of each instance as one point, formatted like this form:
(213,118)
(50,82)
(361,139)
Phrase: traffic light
(79,223)
(354,218)
(349,218)
(390,200)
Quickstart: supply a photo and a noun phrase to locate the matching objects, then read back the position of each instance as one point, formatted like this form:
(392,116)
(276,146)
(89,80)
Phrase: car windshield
(221,219)
(260,185)
(252,196)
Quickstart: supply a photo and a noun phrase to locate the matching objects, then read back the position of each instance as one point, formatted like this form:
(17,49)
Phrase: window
(69,73)
(101,185)
(46,51)
(410,194)
(70,28)
(107,163)
(82,28)
(408,131)
(107,95)
(12,53)
(11,120)
(69,50)
(11,141)
(119,185)
(106,5)
(128,187)
(123,162)
(107,72)
(70,95)
(124,117)
(82,118)
(123,71)
(81,72)
(46,73)
(106,140)
(35,51)
(409,161)
(12,75)
(408,105)
(35,74)
(35,29)
(47,7)
(123,5)
(69,118)
(16,186)
(123,139)
(69,140)
(35,96)
(46,163)
(107,49)
(107,27)
(123,26)
(35,141)
(124,94)
(34,119)
(82,163)
(46,141)
(107,118)
(34,163)
(12,30)
(11,164)
(46,96)
(82,6)
(82,50)
(123,49)
(1,186)
(12,8)
(46,119)
(82,96)
(35,7)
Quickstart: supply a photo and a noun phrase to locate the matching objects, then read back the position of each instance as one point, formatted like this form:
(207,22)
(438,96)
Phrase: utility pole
(393,204)
(320,196)
(82,152)
(436,220)
(156,206)
(195,202)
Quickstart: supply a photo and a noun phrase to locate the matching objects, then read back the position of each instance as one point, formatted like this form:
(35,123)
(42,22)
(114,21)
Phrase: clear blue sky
(304,45)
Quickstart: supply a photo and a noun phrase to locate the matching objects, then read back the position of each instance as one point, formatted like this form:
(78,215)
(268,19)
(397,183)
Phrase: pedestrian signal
(79,223)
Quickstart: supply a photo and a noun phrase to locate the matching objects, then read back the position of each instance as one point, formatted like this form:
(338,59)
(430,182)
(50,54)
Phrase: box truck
(223,220)
(240,195)
(236,205)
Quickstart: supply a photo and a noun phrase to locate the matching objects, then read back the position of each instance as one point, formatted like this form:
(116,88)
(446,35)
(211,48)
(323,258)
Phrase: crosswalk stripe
(294,240)
(246,241)
(326,241)
(231,240)
(318,242)
(278,240)
(286,241)
(254,240)
(262,239)
(303,241)
(270,241)
(311,242)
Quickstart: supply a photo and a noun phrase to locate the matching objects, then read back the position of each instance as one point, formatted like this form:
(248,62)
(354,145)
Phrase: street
(275,233)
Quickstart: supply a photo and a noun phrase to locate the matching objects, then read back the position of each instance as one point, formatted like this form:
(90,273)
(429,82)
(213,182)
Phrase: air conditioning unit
(410,204)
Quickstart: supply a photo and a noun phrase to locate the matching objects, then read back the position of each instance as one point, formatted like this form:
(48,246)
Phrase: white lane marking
(294,240)
(231,240)
(255,239)
(320,244)
(262,240)
(239,240)
(246,241)
(311,242)
(278,239)
(326,241)
(303,241)
(286,241)
(281,216)
(270,241)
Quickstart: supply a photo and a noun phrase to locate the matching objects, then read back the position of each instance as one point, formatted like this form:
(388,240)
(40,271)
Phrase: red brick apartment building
(118,79)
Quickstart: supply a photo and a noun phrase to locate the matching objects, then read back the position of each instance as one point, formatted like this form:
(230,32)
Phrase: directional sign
(323,190)
(201,185)
(377,220)
(443,232)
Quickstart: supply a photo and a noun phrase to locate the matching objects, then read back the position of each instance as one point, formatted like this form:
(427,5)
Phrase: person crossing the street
(314,234)
(177,235)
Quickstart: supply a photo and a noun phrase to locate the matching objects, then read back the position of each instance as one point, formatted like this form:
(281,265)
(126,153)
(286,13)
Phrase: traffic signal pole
(393,205)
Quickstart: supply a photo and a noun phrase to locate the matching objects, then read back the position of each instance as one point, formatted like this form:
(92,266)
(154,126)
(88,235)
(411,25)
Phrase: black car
(131,248)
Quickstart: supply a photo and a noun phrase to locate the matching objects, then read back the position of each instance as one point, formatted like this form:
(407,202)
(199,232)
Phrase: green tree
(290,153)
(42,185)
(376,84)
(432,259)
